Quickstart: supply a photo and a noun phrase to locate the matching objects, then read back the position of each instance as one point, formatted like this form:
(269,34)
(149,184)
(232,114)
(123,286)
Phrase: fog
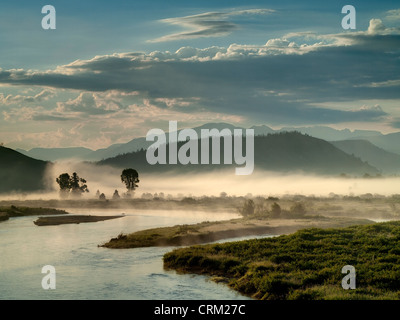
(107,180)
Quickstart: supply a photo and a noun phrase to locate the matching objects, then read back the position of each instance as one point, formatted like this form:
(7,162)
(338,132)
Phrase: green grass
(304,265)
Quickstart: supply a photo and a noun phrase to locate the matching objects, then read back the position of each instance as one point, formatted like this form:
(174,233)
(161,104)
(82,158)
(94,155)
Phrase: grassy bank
(303,265)
(184,235)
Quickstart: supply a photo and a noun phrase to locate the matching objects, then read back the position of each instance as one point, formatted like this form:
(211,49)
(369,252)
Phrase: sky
(113,70)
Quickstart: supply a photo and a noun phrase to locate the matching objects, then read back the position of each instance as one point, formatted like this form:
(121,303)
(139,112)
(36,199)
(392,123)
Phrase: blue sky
(111,71)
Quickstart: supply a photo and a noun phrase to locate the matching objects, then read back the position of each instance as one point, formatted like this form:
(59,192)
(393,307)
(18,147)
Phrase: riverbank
(304,265)
(12,211)
(72,219)
(184,235)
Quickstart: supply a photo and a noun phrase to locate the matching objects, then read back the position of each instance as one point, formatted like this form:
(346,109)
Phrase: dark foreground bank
(306,265)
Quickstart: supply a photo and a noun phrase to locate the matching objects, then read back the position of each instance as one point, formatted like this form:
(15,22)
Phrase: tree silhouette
(131,179)
(248,208)
(78,185)
(116,195)
(64,182)
(275,210)
(71,184)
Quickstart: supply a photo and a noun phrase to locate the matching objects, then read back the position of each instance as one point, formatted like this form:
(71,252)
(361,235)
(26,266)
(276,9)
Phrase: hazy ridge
(387,142)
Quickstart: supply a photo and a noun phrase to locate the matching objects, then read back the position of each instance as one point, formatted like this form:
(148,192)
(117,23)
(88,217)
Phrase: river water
(86,271)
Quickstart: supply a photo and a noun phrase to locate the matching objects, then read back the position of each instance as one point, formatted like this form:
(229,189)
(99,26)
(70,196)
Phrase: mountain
(54,154)
(141,143)
(387,142)
(120,148)
(321,132)
(283,152)
(20,173)
(387,162)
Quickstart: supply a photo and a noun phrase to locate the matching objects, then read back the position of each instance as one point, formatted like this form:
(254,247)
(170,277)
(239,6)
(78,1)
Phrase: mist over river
(86,271)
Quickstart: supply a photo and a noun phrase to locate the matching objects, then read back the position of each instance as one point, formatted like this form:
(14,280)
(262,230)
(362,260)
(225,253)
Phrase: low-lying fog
(107,180)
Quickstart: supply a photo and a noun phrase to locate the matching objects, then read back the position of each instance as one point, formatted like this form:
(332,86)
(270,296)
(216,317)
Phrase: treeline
(75,186)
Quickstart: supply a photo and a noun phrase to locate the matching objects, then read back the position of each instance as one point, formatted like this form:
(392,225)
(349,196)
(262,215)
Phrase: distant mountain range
(388,142)
(21,173)
(387,162)
(281,152)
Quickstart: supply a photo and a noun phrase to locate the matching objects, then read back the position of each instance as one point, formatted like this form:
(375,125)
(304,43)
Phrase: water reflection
(86,271)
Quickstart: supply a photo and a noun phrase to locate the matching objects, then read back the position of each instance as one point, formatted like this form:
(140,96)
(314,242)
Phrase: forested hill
(282,152)
(20,173)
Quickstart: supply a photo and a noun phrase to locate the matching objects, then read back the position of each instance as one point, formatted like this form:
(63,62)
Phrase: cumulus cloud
(209,24)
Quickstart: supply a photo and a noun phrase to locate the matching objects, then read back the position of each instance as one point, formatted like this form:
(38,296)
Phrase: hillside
(54,154)
(20,173)
(283,152)
(141,143)
(387,162)
(388,142)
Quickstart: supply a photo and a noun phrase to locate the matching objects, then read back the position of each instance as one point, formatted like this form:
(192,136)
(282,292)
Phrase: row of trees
(76,186)
(251,209)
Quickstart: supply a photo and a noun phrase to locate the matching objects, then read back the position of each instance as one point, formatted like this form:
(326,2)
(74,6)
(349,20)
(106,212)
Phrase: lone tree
(71,185)
(131,179)
(116,195)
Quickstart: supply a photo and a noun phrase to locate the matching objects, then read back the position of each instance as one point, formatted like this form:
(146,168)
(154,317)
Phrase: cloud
(387,83)
(89,103)
(221,81)
(14,99)
(209,24)
(376,27)
(395,123)
(393,15)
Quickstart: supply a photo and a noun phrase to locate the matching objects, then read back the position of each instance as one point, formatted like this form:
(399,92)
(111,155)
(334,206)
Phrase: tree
(116,195)
(248,208)
(298,209)
(78,185)
(102,197)
(71,184)
(275,210)
(131,179)
(64,182)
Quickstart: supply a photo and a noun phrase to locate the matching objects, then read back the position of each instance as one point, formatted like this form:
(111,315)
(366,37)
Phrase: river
(86,271)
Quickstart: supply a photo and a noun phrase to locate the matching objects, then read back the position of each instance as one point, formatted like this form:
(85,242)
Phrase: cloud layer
(210,24)
(299,78)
